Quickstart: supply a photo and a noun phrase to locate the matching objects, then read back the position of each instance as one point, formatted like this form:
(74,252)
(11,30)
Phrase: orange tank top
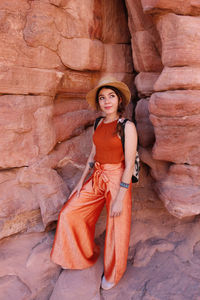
(108,145)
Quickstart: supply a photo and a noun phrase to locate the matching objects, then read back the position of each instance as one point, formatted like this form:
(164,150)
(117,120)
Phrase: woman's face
(108,101)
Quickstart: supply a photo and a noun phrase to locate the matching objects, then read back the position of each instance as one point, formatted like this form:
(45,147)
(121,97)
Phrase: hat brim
(121,86)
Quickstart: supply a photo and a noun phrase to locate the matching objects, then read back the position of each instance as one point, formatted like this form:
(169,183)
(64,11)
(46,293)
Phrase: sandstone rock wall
(164,259)
(165,44)
(52,52)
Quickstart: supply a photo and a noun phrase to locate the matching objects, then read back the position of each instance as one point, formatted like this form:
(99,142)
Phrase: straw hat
(121,86)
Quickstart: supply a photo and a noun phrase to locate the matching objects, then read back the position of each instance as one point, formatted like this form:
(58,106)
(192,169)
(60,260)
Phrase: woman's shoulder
(130,129)
(127,123)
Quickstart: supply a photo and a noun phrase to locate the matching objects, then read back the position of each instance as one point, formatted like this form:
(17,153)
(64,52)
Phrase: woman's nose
(106,99)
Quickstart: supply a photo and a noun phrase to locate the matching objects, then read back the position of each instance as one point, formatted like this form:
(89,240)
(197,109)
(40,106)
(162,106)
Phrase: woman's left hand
(116,207)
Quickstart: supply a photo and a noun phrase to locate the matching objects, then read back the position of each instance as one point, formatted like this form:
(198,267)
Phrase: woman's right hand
(77,189)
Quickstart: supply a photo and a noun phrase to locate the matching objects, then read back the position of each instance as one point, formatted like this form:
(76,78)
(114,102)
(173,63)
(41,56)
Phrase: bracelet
(123,184)
(91,164)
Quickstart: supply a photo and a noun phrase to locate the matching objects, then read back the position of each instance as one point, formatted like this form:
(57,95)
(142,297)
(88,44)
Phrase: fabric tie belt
(100,180)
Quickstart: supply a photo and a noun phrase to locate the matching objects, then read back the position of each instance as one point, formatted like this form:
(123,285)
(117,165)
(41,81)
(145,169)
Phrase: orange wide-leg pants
(74,246)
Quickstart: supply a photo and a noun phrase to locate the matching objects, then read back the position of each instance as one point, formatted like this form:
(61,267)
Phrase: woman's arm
(87,167)
(90,160)
(85,172)
(130,153)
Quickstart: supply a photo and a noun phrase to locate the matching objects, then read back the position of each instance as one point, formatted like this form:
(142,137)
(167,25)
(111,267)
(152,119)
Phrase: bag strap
(97,122)
(123,123)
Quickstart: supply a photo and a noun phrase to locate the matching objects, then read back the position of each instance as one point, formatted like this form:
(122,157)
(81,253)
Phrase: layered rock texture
(52,52)
(170,92)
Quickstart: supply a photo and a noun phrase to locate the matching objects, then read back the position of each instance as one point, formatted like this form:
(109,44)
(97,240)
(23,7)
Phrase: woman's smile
(108,106)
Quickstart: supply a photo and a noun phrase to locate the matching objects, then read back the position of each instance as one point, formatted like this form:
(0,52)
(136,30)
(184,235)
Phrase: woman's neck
(110,118)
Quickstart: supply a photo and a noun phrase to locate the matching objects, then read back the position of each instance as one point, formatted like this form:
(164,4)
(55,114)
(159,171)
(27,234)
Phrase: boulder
(187,78)
(180,7)
(79,284)
(74,150)
(28,273)
(26,127)
(21,80)
(72,123)
(175,103)
(81,53)
(144,82)
(158,168)
(176,125)
(77,150)
(48,189)
(180,190)
(179,48)
(31,199)
(176,142)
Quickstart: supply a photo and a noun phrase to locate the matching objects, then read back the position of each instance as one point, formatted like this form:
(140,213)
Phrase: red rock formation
(174,113)
(52,53)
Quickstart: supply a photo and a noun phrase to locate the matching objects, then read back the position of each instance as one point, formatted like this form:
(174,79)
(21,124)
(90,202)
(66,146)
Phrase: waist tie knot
(100,180)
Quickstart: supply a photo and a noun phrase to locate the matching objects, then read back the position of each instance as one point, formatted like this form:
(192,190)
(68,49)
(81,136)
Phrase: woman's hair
(121,104)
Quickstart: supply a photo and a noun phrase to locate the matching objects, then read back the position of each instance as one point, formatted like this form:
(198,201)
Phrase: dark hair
(121,105)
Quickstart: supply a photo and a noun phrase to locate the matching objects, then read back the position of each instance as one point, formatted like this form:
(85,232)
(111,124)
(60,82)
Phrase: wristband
(125,185)
(91,164)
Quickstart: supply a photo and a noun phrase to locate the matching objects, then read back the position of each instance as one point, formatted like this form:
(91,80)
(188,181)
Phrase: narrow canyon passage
(52,52)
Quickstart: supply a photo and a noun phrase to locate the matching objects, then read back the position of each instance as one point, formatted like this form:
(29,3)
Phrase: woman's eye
(101,98)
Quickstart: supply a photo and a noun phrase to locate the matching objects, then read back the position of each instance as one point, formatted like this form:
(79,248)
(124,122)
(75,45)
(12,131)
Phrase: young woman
(110,184)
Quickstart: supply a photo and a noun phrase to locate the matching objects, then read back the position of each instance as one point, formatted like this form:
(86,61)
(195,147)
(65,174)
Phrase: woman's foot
(106,285)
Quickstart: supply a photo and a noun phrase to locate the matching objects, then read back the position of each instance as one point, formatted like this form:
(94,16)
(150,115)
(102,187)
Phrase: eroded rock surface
(26,270)
(172,94)
(52,53)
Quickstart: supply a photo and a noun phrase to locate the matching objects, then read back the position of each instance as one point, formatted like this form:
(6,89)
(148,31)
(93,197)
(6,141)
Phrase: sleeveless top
(108,144)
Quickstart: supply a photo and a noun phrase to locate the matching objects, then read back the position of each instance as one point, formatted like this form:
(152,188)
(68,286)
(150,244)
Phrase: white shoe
(106,285)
